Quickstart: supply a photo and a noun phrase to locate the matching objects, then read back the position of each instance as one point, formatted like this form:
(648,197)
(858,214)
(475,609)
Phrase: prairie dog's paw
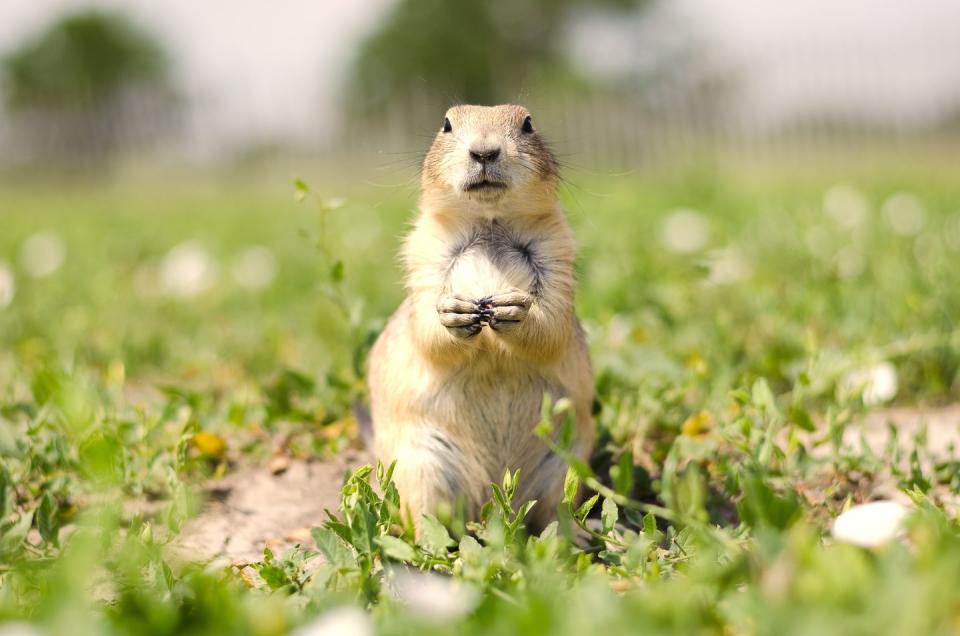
(460,315)
(506,310)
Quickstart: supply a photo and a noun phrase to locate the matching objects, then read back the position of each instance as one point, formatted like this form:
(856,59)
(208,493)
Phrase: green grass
(712,368)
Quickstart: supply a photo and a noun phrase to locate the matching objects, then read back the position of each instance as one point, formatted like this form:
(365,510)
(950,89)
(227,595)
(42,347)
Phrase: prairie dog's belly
(496,408)
(476,274)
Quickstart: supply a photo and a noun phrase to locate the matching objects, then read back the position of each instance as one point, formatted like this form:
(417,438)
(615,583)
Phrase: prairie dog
(457,377)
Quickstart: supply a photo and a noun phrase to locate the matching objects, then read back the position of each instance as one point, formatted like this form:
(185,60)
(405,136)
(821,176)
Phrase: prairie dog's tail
(364,423)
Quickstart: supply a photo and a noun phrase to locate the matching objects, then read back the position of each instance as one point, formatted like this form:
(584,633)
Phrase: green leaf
(363,529)
(507,482)
(47,522)
(336,272)
(609,514)
(4,484)
(14,535)
(571,485)
(274,576)
(650,527)
(340,529)
(801,418)
(762,506)
(623,475)
(586,507)
(501,500)
(434,537)
(396,548)
(470,548)
(301,189)
(762,397)
(523,511)
(102,456)
(332,547)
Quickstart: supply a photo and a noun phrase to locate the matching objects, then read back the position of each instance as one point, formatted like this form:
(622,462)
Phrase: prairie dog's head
(486,154)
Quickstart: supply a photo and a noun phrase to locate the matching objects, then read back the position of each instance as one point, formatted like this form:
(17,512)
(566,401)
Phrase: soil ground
(256,507)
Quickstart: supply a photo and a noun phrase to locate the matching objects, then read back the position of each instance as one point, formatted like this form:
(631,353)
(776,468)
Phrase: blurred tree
(468,50)
(74,79)
(81,58)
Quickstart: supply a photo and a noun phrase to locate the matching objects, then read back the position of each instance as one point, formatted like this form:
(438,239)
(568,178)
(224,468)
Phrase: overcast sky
(253,67)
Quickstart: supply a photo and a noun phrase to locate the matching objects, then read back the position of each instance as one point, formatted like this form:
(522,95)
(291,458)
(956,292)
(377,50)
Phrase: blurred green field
(155,333)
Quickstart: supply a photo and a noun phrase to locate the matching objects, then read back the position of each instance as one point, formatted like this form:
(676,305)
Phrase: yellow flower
(209,444)
(697,425)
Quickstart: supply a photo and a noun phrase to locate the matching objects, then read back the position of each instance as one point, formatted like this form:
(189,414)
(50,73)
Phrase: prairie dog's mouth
(485,185)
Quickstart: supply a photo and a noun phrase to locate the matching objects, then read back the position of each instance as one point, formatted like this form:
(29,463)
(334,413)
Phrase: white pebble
(877,384)
(871,525)
(341,621)
(433,597)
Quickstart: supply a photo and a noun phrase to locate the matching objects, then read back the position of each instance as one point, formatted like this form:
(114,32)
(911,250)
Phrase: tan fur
(456,410)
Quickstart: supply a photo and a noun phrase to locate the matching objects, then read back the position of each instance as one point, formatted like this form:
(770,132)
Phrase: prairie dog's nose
(484,153)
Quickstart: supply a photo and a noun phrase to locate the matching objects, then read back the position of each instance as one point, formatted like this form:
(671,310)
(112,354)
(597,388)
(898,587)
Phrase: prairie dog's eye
(447,126)
(527,126)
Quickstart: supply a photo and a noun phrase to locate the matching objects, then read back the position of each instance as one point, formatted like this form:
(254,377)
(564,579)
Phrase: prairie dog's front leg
(441,329)
(505,311)
(461,316)
(537,328)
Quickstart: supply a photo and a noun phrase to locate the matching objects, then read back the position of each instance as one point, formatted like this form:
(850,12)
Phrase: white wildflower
(871,525)
(187,270)
(951,235)
(818,241)
(846,206)
(432,596)
(18,628)
(42,254)
(850,262)
(684,231)
(904,213)
(726,266)
(618,331)
(254,268)
(8,287)
(341,621)
(876,384)
(929,251)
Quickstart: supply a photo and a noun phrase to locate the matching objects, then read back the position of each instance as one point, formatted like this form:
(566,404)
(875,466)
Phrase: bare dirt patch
(256,507)
(942,426)
(933,431)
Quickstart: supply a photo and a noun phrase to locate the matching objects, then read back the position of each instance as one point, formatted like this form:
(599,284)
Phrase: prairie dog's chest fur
(490,258)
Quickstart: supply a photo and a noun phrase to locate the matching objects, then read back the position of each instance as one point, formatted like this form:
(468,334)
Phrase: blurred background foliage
(618,84)
(468,52)
(73,87)
(82,58)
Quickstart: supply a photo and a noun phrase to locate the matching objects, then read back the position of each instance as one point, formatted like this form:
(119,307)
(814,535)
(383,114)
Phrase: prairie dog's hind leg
(545,485)
(432,472)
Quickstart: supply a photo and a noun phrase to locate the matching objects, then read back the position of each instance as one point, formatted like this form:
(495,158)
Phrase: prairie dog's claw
(460,316)
(508,309)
